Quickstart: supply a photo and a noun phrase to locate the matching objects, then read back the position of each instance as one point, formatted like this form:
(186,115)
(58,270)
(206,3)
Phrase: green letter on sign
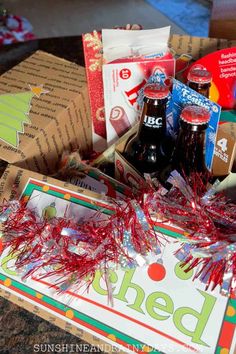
(97,282)
(167,307)
(201,318)
(125,285)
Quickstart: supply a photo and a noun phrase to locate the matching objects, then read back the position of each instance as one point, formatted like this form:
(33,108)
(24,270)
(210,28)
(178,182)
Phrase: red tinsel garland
(73,252)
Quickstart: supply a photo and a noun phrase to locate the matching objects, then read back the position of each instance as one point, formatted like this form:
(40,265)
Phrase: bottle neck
(152,125)
(189,154)
(203,89)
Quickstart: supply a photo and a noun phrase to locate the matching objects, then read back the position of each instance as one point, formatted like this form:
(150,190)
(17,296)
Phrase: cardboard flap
(197,47)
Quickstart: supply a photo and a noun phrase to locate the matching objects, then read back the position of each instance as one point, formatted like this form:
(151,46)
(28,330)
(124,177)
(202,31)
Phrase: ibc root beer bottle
(200,81)
(189,154)
(151,148)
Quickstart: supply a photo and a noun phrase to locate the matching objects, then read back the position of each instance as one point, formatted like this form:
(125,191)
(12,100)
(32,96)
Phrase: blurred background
(53,18)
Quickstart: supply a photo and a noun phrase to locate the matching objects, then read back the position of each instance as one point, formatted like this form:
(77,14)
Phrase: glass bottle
(150,149)
(200,81)
(189,154)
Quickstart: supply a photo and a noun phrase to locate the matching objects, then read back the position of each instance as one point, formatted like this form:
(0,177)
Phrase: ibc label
(153,122)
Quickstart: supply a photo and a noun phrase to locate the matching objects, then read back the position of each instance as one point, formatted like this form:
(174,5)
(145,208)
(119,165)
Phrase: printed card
(157,308)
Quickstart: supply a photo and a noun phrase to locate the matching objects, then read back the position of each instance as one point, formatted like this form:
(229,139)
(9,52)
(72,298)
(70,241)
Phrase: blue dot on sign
(180,271)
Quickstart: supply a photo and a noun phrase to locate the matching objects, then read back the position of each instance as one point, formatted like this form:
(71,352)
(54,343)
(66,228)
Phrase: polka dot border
(230,312)
(224,351)
(112,337)
(70,314)
(67,196)
(7,282)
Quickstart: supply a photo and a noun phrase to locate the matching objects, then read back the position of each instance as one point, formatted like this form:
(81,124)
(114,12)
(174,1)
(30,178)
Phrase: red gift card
(222,65)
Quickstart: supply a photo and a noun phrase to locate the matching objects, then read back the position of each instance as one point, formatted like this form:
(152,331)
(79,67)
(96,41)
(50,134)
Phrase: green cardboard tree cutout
(14,113)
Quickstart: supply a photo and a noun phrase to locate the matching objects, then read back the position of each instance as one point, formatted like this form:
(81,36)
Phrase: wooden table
(223,19)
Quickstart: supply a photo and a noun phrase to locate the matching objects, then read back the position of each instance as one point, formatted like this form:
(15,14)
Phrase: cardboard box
(153,307)
(139,331)
(224,160)
(123,170)
(44,110)
(76,172)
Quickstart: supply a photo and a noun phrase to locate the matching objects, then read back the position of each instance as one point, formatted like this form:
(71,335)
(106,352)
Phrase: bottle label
(152,122)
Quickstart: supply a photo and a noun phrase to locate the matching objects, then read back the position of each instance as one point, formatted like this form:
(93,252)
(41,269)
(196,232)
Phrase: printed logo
(153,122)
(125,74)
(132,95)
(221,148)
(222,143)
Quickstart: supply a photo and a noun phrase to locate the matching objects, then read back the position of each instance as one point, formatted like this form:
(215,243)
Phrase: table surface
(69,48)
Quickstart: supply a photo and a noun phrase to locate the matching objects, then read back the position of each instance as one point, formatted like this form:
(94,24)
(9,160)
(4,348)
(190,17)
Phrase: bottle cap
(199,76)
(156,91)
(195,115)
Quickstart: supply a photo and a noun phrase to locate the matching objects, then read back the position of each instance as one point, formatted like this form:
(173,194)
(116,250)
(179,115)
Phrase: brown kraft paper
(58,118)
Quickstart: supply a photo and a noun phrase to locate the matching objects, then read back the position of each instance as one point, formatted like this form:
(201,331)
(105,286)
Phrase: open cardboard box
(150,315)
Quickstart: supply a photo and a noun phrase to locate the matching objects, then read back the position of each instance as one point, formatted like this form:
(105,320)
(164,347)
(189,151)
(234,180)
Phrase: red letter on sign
(134,92)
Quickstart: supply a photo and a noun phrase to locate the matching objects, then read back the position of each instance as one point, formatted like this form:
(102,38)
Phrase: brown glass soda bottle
(200,81)
(189,154)
(150,149)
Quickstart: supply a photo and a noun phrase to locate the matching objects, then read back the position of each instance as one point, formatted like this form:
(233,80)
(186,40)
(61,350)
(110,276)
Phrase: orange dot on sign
(147,349)
(230,311)
(26,198)
(39,296)
(67,196)
(69,314)
(45,188)
(224,351)
(156,271)
(7,282)
(111,337)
